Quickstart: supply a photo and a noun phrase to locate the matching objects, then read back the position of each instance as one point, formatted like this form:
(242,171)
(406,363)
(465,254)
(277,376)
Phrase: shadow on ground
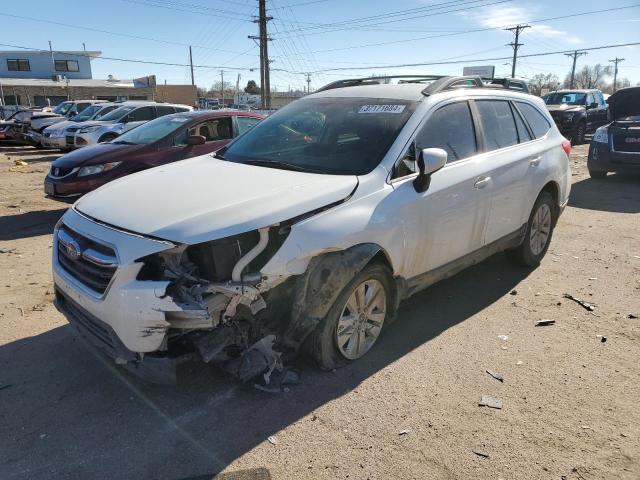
(614,193)
(29,224)
(69,414)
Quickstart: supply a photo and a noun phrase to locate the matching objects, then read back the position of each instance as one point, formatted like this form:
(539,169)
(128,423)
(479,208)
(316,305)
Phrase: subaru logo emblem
(56,171)
(73,250)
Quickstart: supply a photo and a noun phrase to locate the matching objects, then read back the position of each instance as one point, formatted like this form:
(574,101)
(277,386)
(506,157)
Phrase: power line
(200,10)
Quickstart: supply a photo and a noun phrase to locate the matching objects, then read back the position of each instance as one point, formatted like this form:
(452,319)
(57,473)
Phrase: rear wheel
(355,320)
(538,234)
(579,133)
(597,174)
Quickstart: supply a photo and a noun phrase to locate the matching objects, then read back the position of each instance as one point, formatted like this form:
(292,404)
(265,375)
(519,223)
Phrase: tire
(579,133)
(531,251)
(38,146)
(107,138)
(323,344)
(597,174)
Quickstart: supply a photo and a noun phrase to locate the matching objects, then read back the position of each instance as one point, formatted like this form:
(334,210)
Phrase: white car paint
(205,199)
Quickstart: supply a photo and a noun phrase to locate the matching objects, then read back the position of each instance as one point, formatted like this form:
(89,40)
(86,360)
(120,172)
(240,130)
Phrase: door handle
(534,162)
(481,182)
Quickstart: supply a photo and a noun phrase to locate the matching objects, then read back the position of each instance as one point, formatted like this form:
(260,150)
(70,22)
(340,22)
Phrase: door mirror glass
(429,161)
(196,140)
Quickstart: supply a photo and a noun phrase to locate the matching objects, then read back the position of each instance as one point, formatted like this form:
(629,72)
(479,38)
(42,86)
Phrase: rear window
(498,124)
(538,123)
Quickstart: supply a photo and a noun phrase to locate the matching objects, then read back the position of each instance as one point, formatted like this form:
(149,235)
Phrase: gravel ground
(407,410)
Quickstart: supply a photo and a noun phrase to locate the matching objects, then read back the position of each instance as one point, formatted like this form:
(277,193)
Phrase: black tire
(107,137)
(579,133)
(38,146)
(523,254)
(597,173)
(322,344)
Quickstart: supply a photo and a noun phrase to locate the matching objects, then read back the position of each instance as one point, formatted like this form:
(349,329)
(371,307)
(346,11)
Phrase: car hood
(95,123)
(46,121)
(563,107)
(62,125)
(625,103)
(96,154)
(204,198)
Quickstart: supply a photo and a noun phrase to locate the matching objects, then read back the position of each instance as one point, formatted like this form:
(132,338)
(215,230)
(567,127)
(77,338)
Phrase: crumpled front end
(148,302)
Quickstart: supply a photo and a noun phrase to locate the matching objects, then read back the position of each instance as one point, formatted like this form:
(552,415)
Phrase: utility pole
(615,61)
(222,86)
(575,56)
(308,83)
(191,64)
(53,62)
(517,29)
(263,38)
(84,47)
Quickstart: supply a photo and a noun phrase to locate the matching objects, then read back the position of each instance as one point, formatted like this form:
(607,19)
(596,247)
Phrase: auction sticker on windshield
(381,109)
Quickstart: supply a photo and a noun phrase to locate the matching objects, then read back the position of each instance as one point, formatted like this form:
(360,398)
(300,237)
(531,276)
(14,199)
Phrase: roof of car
(578,90)
(401,91)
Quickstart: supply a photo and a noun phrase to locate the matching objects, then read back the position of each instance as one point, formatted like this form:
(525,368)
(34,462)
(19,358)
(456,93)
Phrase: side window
(141,114)
(600,99)
(211,130)
(450,128)
(538,123)
(164,110)
(245,123)
(523,133)
(82,106)
(590,99)
(498,124)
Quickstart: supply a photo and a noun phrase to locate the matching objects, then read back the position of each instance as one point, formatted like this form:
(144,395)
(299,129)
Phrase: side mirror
(593,105)
(429,161)
(196,140)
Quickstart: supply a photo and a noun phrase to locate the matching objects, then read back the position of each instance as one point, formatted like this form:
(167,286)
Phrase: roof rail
(438,83)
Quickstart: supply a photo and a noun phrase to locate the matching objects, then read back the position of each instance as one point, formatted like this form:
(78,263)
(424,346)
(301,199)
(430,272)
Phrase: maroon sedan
(163,140)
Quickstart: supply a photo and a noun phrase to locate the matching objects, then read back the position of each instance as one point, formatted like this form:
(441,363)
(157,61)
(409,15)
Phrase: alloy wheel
(540,229)
(360,322)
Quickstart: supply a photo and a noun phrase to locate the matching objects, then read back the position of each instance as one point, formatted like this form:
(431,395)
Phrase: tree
(590,76)
(252,88)
(542,81)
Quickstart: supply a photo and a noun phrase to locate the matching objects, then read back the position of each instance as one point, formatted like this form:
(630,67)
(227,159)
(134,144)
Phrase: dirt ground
(408,410)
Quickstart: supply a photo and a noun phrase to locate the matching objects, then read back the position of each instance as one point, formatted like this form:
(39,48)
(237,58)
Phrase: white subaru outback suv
(306,232)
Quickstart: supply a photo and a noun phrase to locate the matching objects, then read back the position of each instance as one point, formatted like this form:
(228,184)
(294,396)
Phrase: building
(40,78)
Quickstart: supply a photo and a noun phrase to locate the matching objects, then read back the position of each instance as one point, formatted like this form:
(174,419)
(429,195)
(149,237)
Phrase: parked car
(62,112)
(616,147)
(61,135)
(7,127)
(160,141)
(306,232)
(577,112)
(128,116)
(22,123)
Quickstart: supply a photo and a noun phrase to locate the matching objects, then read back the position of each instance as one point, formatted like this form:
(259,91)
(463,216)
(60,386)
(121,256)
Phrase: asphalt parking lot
(409,409)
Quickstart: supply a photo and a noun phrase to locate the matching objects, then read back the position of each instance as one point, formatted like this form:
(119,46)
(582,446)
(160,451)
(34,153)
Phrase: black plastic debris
(545,323)
(582,303)
(480,454)
(631,316)
(496,375)
(513,292)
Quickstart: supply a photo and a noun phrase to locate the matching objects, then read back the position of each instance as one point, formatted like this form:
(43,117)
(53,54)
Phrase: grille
(91,263)
(85,322)
(620,143)
(69,139)
(60,172)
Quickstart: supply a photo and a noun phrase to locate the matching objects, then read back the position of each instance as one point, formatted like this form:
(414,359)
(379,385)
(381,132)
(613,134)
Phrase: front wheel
(597,174)
(355,320)
(538,234)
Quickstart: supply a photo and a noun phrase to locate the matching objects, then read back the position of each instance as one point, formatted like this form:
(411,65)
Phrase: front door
(447,221)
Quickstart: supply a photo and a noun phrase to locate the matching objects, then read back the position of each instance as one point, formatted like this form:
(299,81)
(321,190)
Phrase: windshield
(570,98)
(345,136)
(117,114)
(103,111)
(63,108)
(154,130)
(86,114)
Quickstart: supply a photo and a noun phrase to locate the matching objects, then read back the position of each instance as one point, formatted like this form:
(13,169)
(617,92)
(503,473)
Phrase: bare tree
(542,81)
(590,76)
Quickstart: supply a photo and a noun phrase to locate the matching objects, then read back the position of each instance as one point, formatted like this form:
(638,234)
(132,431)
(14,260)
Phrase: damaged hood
(204,199)
(624,103)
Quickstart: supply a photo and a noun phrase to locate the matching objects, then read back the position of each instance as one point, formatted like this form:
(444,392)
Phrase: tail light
(566,146)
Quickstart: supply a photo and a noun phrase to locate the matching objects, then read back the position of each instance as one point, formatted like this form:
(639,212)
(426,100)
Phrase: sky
(321,36)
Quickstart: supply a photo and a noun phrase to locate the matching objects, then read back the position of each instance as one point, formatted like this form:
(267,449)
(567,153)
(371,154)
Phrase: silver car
(123,119)
(61,135)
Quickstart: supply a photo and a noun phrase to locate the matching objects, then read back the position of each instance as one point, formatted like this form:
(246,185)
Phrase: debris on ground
(272,440)
(503,337)
(403,432)
(602,338)
(544,323)
(496,375)
(519,362)
(593,278)
(632,316)
(582,303)
(513,292)
(7,250)
(21,163)
(480,454)
(491,402)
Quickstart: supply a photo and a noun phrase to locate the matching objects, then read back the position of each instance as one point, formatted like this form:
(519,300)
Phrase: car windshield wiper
(124,142)
(281,165)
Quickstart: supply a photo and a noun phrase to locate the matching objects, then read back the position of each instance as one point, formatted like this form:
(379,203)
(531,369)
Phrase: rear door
(509,157)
